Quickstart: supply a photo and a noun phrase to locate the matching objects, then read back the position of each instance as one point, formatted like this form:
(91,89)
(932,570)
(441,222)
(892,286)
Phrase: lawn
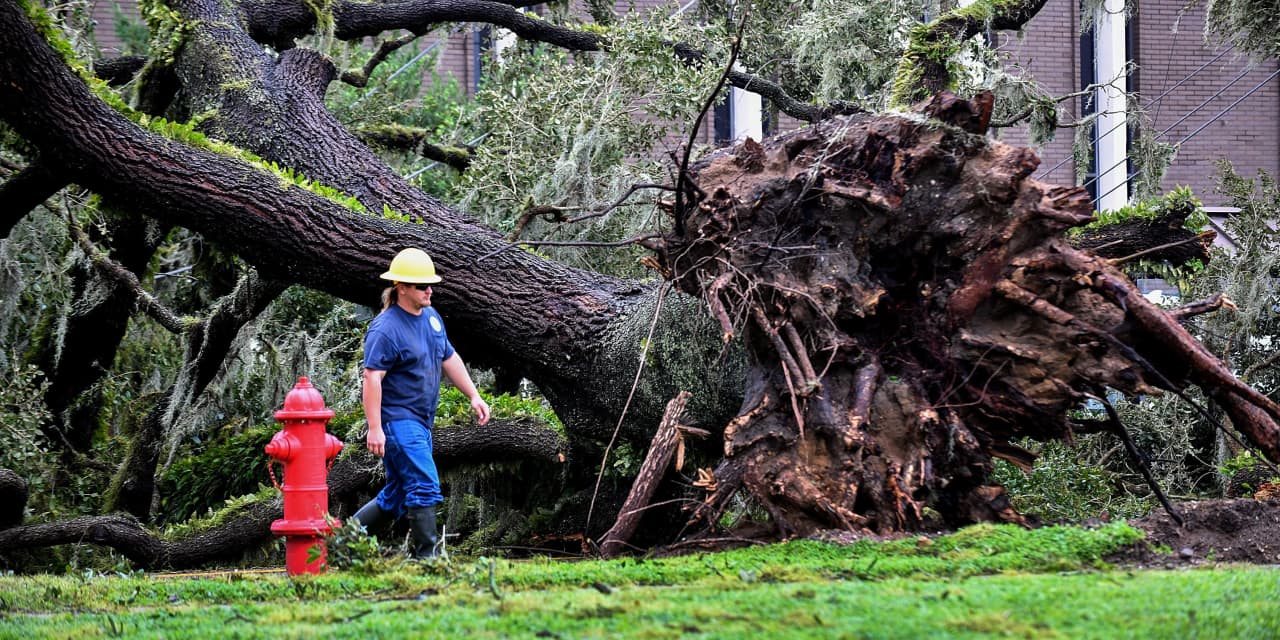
(984,581)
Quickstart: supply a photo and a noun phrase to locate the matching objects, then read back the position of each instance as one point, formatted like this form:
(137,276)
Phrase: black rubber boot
(422,523)
(371,515)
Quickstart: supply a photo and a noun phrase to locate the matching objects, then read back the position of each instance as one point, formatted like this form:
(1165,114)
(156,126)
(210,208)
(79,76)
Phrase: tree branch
(392,136)
(360,77)
(119,71)
(500,441)
(923,69)
(26,190)
(112,269)
(278,22)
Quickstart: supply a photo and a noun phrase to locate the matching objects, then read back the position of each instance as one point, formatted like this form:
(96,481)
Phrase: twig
(634,188)
(682,178)
(1137,457)
(1212,303)
(1258,366)
(714,541)
(114,270)
(533,212)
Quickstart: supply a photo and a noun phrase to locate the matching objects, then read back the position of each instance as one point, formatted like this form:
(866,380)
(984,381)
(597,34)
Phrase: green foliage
(1068,485)
(849,50)
(407,93)
(23,447)
(1181,201)
(230,509)
(232,464)
(350,548)
(1250,277)
(33,281)
(455,408)
(576,131)
(1150,157)
(1017,93)
(1250,25)
(1246,473)
(1245,461)
(167,28)
(133,34)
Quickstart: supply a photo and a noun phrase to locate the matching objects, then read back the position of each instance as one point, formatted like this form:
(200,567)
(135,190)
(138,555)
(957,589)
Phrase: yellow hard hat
(412,266)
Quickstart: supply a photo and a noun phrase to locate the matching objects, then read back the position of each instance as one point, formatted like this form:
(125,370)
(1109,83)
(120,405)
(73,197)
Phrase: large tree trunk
(911,306)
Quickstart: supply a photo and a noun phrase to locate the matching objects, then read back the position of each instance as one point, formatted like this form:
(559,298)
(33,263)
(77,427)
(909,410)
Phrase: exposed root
(908,255)
(1200,307)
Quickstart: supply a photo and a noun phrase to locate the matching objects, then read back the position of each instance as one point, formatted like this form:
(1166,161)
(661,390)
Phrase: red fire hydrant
(305,450)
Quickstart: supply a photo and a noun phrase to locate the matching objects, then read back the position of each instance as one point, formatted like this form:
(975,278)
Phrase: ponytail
(389,297)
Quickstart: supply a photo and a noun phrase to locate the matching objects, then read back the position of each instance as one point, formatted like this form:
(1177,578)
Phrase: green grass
(985,581)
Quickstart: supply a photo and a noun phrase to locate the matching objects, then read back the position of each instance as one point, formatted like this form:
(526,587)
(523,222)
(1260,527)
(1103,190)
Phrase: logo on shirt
(435,324)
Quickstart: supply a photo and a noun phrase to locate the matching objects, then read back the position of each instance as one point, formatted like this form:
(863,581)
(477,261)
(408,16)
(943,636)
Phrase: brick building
(1227,104)
(1223,104)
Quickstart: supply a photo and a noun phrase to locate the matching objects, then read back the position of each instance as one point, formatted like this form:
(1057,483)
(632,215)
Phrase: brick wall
(105,32)
(1049,51)
(1247,135)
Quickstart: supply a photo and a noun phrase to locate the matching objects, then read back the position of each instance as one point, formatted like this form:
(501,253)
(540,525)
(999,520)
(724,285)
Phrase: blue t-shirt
(410,349)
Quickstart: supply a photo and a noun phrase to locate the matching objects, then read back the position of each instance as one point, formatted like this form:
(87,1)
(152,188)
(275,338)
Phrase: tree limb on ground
(250,526)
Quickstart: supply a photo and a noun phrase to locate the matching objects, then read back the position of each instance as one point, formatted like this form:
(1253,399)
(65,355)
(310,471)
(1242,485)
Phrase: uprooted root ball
(911,306)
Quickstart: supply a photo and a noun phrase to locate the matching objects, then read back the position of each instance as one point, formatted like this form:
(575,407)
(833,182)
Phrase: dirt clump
(1239,530)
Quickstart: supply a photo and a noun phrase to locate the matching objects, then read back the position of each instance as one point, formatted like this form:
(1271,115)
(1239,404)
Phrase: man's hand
(481,408)
(377,441)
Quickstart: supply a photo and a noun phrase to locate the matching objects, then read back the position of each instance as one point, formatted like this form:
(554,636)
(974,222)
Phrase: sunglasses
(419,287)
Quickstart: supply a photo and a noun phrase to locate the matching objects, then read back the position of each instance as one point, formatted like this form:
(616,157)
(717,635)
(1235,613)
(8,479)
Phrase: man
(405,351)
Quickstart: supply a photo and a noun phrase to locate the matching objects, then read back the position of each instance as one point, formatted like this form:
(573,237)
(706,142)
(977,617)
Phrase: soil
(1239,530)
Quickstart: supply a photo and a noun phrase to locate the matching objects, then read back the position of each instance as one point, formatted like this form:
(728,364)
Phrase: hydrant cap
(304,402)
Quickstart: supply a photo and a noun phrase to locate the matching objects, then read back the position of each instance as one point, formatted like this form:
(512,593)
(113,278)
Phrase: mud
(1239,530)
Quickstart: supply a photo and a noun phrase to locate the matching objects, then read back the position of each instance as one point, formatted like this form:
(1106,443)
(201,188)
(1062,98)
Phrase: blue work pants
(412,479)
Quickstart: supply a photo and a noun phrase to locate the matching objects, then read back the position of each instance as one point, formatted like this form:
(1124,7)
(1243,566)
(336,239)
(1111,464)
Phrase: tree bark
(25,191)
(13,498)
(1145,237)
